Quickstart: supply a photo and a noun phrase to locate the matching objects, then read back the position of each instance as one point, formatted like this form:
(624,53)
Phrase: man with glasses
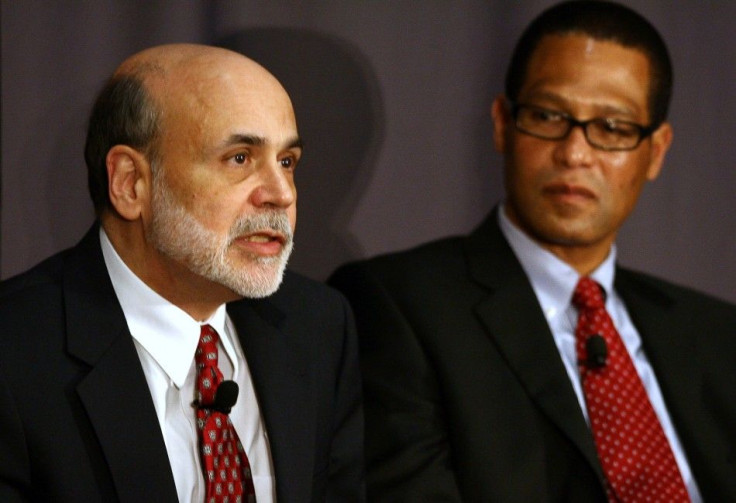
(604,133)
(521,363)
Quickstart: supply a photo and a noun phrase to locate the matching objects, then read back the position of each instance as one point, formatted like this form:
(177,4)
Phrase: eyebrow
(259,141)
(605,109)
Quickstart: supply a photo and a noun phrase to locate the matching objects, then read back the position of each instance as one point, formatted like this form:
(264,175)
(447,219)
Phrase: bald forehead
(187,64)
(170,58)
(193,82)
(206,95)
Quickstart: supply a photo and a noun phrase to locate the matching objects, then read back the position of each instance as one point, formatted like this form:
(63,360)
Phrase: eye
(543,115)
(619,128)
(240,158)
(288,163)
(610,125)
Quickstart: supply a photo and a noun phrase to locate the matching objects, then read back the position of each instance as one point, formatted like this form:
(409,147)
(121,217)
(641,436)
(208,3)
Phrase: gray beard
(177,234)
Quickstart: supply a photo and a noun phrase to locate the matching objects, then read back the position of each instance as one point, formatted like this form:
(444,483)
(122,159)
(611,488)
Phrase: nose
(574,150)
(275,186)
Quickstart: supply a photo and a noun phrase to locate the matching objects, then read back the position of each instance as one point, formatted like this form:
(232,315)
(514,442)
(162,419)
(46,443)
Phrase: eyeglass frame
(572,122)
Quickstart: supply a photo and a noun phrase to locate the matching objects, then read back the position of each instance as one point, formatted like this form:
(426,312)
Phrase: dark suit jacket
(77,422)
(466,395)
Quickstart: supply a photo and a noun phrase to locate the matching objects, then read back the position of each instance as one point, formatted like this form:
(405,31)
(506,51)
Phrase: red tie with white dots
(224,461)
(633,450)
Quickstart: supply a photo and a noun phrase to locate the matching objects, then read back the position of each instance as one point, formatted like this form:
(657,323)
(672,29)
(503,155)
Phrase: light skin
(228,149)
(568,196)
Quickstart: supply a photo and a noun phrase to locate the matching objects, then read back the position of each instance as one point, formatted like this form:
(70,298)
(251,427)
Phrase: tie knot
(207,346)
(588,294)
(208,373)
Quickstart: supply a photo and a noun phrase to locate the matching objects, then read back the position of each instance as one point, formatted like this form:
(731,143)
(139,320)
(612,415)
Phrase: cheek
(291,213)
(215,212)
(630,172)
(291,210)
(625,188)
(525,165)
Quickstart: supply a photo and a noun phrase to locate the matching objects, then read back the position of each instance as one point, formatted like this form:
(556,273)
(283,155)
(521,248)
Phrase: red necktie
(224,461)
(633,450)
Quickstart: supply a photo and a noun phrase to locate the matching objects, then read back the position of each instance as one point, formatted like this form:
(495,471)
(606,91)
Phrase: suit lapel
(281,380)
(671,355)
(670,346)
(114,392)
(517,326)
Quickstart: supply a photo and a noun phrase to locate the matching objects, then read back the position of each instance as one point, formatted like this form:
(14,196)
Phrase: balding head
(158,86)
(175,68)
(167,58)
(191,153)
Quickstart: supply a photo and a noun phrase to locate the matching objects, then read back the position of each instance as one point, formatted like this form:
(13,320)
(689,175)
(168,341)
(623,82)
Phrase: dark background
(392,101)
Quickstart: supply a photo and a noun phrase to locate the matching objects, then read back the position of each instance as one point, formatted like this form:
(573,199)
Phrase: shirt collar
(164,330)
(552,279)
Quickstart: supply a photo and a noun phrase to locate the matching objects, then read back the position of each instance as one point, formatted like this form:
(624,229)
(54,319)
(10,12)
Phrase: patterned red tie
(633,450)
(224,461)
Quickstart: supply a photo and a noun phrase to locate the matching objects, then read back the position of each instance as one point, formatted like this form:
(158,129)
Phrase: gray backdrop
(392,100)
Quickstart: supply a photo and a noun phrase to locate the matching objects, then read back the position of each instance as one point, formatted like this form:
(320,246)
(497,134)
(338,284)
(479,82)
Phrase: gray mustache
(275,221)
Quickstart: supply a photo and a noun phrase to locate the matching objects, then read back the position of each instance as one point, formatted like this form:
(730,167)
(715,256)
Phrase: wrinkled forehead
(221,97)
(210,78)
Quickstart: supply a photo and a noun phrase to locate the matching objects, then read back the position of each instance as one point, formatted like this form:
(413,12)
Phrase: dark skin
(568,196)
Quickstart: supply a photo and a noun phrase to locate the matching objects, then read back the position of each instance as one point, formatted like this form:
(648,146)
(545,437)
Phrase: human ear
(128,175)
(501,119)
(660,144)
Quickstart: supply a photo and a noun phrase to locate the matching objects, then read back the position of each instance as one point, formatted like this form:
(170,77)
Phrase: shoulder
(44,275)
(410,265)
(301,294)
(682,313)
(669,294)
(680,324)
(47,277)
(32,316)
(299,305)
(34,294)
(431,282)
(449,260)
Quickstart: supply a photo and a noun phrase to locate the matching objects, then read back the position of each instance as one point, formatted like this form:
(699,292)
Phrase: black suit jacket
(77,422)
(467,397)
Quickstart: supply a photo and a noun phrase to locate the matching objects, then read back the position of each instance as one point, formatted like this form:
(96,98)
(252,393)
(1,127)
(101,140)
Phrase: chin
(256,280)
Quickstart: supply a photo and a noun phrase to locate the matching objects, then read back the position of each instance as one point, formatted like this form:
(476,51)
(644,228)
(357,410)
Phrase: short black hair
(123,114)
(600,20)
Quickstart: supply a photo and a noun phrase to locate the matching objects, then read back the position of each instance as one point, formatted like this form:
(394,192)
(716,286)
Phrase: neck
(193,294)
(583,259)
(583,255)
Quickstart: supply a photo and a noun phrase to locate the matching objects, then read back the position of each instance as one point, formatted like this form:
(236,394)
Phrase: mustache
(275,221)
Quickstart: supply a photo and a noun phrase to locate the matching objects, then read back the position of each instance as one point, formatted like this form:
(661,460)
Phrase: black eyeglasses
(602,133)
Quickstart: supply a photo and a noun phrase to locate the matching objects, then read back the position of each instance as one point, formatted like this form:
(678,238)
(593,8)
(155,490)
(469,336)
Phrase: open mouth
(264,242)
(264,237)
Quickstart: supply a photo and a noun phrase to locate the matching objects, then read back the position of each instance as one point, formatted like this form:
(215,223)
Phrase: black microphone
(225,397)
(597,351)
(227,394)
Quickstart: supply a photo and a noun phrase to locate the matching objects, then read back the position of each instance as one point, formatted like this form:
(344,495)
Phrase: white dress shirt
(554,282)
(166,338)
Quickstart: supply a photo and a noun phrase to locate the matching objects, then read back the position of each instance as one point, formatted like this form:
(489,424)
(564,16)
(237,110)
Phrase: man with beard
(191,152)
(521,363)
